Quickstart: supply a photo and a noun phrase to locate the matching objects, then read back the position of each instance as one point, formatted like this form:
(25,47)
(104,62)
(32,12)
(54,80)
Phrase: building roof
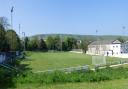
(103,42)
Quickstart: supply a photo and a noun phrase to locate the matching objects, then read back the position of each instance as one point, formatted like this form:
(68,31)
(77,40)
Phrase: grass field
(39,61)
(114,84)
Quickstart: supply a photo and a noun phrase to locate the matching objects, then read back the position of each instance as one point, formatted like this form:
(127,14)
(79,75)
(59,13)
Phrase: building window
(117,46)
(113,46)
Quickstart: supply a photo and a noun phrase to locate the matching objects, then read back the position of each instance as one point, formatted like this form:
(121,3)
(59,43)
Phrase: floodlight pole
(12,23)
(12,17)
(12,29)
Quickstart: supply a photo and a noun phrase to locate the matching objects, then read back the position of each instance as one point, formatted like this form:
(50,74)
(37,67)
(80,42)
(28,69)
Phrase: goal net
(98,60)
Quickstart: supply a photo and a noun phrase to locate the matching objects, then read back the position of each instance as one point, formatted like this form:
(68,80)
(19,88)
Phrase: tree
(71,43)
(84,45)
(3,41)
(4,22)
(26,43)
(13,40)
(64,46)
(42,45)
(57,43)
(121,39)
(50,43)
(33,44)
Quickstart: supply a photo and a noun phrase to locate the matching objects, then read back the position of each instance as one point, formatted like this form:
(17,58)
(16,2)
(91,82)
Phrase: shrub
(76,76)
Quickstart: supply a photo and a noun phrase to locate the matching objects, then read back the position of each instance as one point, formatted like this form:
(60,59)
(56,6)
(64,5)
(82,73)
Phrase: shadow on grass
(24,68)
(6,78)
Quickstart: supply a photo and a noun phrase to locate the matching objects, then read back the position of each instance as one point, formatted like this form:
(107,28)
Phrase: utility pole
(123,30)
(97,41)
(23,33)
(61,42)
(19,30)
(20,34)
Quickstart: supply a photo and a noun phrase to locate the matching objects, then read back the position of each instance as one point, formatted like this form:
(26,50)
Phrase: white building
(105,47)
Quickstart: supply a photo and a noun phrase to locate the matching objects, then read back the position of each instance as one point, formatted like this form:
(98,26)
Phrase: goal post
(98,60)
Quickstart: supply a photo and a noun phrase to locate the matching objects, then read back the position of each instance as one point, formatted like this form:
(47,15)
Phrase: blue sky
(68,16)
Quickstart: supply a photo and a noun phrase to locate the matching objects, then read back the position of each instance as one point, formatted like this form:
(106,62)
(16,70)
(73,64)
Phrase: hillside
(81,37)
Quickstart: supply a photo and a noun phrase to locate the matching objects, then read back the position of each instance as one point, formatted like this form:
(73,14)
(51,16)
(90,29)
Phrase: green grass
(39,61)
(44,61)
(113,84)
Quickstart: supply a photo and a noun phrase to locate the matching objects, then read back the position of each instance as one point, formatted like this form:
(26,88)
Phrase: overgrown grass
(112,84)
(76,76)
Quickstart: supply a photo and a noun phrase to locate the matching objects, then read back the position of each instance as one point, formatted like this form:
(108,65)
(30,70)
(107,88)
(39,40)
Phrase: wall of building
(116,48)
(108,49)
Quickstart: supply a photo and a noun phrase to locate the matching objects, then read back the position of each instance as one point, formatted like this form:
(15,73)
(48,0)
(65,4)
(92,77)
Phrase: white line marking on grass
(75,52)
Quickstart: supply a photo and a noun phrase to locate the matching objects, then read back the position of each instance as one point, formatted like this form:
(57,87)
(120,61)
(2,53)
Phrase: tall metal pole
(97,42)
(12,24)
(61,42)
(12,17)
(24,40)
(19,30)
(12,29)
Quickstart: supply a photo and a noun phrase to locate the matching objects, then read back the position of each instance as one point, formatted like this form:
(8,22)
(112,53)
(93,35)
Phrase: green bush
(81,76)
(6,78)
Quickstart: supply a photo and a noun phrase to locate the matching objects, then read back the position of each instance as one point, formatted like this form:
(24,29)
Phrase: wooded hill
(82,37)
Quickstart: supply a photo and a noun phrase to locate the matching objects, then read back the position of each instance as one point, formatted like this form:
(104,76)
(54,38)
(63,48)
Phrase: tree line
(55,44)
(10,41)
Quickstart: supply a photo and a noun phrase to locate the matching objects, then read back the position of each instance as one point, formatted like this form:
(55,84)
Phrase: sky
(82,17)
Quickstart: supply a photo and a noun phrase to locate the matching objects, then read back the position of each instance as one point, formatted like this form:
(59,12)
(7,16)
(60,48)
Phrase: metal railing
(67,70)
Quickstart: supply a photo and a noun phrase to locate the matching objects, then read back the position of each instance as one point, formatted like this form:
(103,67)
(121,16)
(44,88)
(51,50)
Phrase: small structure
(105,47)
